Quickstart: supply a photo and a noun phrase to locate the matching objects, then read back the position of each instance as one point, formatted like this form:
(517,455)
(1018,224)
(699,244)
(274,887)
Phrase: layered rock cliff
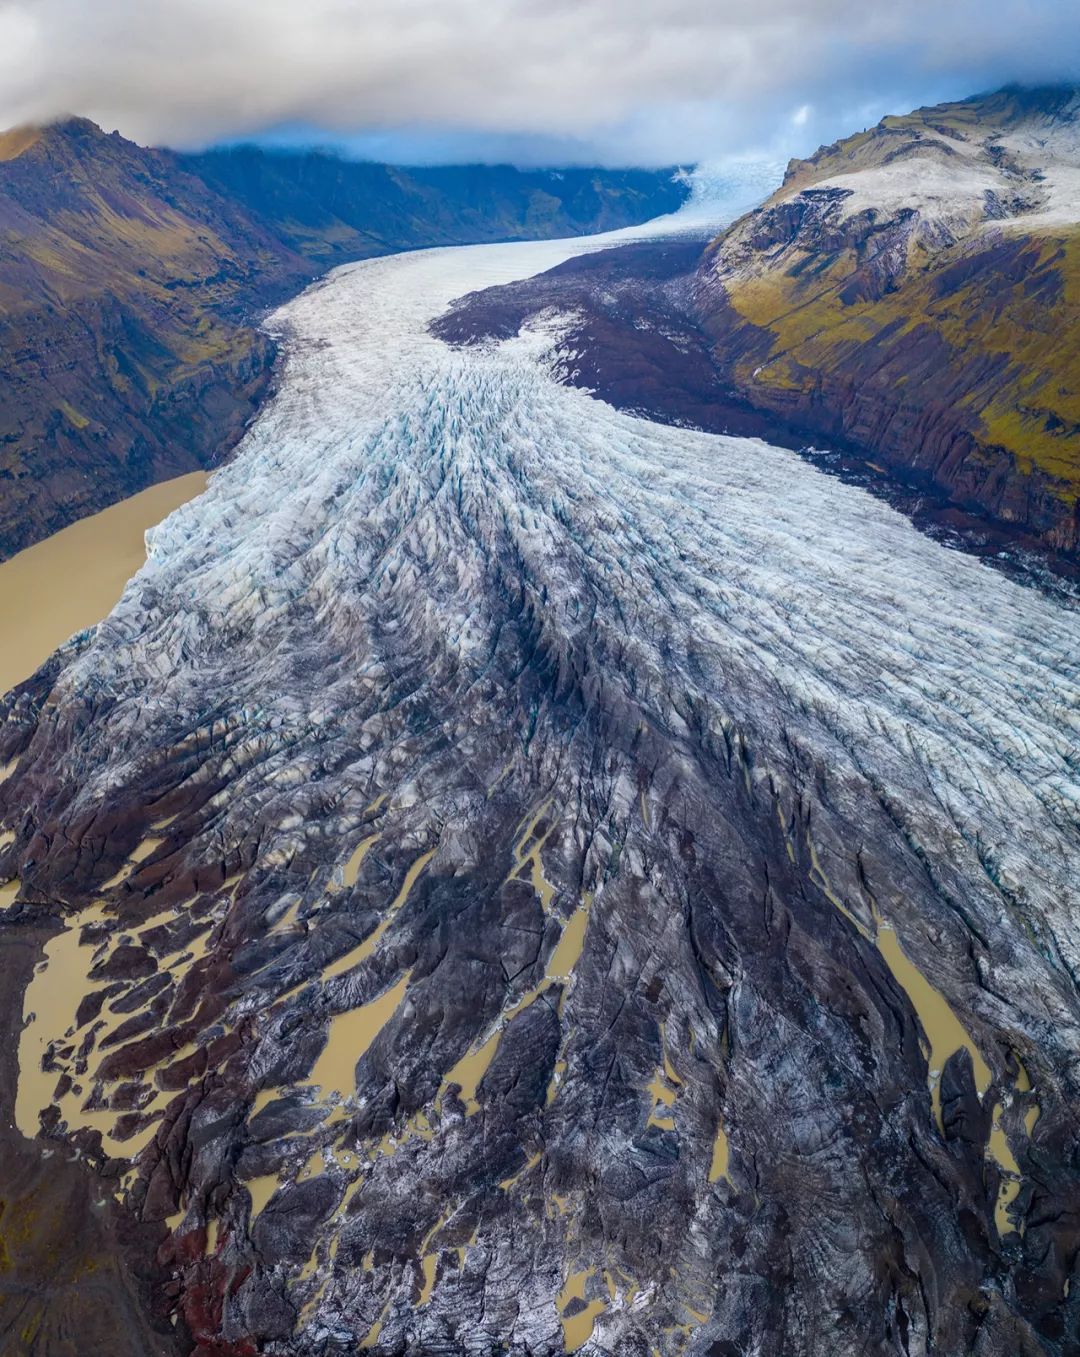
(914,292)
(129,278)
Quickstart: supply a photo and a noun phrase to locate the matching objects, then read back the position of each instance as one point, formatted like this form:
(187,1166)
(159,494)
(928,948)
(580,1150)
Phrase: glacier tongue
(806,779)
(385,452)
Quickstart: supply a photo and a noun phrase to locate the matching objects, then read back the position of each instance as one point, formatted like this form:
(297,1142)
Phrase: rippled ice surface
(796,756)
(734,565)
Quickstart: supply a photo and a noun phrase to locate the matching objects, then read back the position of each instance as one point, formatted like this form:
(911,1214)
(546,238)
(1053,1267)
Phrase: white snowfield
(1032,172)
(940,190)
(1054,152)
(382,469)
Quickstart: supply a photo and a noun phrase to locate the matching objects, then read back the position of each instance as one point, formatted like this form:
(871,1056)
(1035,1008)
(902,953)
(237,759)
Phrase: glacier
(674,852)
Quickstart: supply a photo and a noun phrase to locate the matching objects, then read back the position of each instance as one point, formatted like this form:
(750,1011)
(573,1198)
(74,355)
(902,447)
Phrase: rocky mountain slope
(124,359)
(901,309)
(914,292)
(129,278)
(514,878)
(329,210)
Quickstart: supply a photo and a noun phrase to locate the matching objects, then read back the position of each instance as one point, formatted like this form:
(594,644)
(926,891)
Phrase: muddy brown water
(73,579)
(49,592)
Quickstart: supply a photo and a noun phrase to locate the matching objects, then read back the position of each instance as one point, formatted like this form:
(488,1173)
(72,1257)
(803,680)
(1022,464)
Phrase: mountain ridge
(129,284)
(906,290)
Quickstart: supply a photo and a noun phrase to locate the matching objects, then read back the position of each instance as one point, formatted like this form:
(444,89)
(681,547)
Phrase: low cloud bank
(621,81)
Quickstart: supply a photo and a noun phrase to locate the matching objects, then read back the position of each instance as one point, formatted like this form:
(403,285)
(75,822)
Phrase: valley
(534,878)
(133,281)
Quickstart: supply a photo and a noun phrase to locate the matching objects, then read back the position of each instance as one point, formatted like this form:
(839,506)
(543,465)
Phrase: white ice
(388,464)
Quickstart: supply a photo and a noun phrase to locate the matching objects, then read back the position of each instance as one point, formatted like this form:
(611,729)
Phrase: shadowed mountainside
(329,210)
(129,278)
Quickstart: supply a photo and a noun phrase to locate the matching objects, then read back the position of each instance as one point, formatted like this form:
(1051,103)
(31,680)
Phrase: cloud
(649,81)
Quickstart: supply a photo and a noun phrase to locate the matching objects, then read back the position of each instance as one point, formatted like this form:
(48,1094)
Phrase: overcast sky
(547,81)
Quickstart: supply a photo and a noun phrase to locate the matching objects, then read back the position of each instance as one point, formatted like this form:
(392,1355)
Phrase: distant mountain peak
(906,290)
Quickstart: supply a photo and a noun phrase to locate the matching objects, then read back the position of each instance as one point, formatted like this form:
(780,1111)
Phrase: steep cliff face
(915,291)
(122,364)
(129,277)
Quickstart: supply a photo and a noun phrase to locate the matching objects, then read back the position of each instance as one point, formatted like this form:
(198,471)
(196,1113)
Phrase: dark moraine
(634,339)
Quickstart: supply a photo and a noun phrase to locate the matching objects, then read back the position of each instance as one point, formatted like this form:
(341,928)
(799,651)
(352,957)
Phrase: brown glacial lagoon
(73,579)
